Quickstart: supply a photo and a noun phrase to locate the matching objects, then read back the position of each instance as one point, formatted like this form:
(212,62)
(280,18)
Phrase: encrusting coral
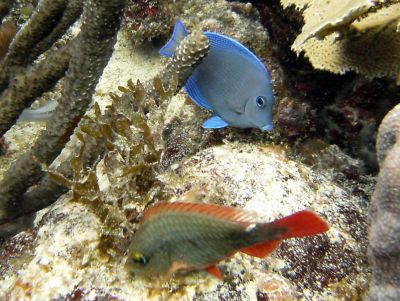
(384,237)
(93,48)
(357,35)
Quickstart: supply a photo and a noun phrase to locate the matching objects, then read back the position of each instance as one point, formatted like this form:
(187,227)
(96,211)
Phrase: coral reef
(146,20)
(340,36)
(384,239)
(91,53)
(90,234)
(142,143)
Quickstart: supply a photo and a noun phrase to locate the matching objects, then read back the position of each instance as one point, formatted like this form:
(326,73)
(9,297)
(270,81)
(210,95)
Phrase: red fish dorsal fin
(232,214)
(214,270)
(299,224)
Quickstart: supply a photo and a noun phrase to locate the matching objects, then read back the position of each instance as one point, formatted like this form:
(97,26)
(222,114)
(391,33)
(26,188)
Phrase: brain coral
(341,36)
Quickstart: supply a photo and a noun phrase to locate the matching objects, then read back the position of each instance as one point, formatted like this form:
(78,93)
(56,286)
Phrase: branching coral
(21,80)
(147,99)
(351,35)
(384,249)
(131,132)
(91,53)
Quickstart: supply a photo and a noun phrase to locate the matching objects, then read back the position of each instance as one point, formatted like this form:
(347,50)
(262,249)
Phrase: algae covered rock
(66,254)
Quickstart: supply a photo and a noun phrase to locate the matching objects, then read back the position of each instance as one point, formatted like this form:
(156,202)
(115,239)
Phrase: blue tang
(231,81)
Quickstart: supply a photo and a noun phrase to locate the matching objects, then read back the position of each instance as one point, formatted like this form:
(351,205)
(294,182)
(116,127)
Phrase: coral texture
(45,16)
(26,87)
(93,49)
(145,144)
(81,243)
(146,20)
(351,35)
(384,238)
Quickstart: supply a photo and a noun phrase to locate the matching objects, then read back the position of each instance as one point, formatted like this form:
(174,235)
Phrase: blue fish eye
(260,101)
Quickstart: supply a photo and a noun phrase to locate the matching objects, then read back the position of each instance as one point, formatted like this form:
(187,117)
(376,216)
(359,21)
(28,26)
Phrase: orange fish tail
(299,224)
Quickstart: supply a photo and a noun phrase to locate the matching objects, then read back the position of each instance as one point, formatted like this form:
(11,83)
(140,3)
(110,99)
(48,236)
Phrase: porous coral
(92,51)
(147,98)
(351,35)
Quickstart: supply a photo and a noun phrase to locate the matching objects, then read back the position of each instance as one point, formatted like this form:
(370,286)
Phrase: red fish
(194,236)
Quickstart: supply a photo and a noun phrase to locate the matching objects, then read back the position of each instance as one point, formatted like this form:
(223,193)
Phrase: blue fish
(231,81)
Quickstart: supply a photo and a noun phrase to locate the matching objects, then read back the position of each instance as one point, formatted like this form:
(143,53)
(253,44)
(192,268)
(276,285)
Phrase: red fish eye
(139,259)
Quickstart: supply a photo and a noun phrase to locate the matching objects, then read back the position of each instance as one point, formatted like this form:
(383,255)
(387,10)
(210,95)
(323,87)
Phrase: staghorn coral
(147,98)
(131,132)
(25,88)
(352,35)
(21,80)
(384,238)
(93,49)
(45,16)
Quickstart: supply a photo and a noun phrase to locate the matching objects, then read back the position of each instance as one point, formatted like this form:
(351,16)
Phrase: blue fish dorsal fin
(214,122)
(178,35)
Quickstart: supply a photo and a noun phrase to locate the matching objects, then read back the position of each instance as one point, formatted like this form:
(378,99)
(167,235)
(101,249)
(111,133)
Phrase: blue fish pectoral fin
(215,122)
(178,35)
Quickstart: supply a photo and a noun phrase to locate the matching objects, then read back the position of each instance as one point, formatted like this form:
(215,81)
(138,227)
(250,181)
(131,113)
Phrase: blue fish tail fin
(178,35)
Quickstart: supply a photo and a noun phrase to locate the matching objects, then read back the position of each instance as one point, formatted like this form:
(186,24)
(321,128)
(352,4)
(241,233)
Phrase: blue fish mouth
(267,128)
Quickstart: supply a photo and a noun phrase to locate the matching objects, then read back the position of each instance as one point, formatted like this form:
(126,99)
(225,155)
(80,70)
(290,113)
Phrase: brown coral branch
(188,55)
(71,13)
(95,43)
(384,238)
(45,17)
(190,52)
(24,89)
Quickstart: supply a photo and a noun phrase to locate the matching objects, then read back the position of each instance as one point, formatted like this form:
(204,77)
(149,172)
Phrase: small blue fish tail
(180,32)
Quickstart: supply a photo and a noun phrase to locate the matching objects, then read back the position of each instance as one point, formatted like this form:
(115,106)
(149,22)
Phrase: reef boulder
(63,257)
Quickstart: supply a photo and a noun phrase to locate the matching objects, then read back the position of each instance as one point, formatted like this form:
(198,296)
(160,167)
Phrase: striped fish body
(193,236)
